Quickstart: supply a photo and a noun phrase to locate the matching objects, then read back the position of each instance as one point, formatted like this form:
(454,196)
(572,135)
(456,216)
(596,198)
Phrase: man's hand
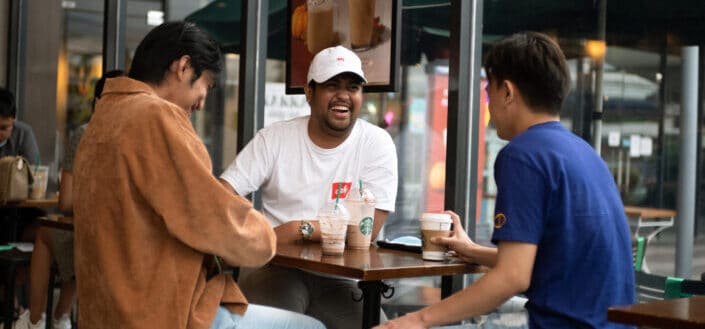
(464,248)
(408,321)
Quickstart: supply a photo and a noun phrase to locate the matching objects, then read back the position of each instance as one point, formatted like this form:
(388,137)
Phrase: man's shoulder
(285,127)
(370,131)
(19,125)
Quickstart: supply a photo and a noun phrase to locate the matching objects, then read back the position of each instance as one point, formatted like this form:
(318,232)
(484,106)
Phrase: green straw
(337,196)
(359,184)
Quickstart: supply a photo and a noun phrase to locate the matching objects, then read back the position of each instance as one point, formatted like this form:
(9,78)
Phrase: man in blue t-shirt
(561,233)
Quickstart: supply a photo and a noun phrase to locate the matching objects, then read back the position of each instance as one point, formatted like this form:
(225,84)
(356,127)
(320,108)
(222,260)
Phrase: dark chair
(693,287)
(10,262)
(652,287)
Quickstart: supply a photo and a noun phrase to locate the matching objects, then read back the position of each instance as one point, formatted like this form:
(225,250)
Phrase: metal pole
(16,52)
(599,68)
(687,162)
(114,27)
(253,57)
(463,113)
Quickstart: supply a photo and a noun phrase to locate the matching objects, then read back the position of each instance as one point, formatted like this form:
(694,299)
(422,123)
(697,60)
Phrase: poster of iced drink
(365,26)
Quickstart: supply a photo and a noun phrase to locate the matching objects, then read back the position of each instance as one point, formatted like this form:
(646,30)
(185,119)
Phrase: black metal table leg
(371,301)
(446,285)
(10,295)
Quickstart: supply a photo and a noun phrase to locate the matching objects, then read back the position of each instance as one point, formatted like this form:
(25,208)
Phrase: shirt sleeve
(29,148)
(172,173)
(521,199)
(379,173)
(252,166)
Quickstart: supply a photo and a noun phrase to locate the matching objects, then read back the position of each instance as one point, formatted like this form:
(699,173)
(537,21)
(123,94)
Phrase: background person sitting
(57,245)
(16,138)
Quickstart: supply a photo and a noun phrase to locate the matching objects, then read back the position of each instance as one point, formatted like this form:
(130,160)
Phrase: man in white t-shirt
(298,165)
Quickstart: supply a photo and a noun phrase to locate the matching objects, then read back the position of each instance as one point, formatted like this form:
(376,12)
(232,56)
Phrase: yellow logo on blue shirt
(499,220)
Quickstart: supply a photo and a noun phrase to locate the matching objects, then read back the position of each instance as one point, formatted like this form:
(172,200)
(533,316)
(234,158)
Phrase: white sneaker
(63,323)
(23,322)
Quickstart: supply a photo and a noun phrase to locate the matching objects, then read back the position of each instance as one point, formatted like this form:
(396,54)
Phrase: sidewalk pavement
(661,254)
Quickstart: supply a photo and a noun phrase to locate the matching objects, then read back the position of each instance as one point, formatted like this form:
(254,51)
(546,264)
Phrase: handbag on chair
(15,179)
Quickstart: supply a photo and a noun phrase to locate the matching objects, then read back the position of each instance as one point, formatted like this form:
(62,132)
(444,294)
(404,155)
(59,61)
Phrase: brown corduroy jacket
(149,214)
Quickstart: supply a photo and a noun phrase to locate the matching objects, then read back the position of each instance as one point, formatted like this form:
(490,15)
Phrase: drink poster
(368,27)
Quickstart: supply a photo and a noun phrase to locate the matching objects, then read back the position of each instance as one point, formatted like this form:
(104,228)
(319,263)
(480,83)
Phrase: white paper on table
(23,246)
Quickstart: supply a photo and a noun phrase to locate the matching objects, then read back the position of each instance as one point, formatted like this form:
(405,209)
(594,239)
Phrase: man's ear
(180,66)
(309,92)
(510,91)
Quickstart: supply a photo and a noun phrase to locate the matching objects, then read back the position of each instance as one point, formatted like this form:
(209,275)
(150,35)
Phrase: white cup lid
(436,217)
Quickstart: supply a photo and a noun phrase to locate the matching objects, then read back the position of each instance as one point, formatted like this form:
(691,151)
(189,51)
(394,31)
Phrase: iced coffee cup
(333,219)
(320,32)
(361,204)
(434,225)
(361,14)
(40,174)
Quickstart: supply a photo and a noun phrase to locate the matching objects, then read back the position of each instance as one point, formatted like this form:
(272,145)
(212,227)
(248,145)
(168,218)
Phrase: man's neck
(530,118)
(325,137)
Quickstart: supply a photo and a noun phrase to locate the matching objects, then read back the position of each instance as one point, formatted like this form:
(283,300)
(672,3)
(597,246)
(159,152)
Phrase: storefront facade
(626,57)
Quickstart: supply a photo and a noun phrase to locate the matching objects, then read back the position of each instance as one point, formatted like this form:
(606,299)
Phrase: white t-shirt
(296,177)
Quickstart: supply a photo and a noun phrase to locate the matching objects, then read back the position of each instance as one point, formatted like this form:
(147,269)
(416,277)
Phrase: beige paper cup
(434,225)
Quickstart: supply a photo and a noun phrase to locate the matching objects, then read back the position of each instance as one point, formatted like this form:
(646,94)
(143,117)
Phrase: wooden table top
(644,212)
(366,265)
(682,313)
(60,222)
(41,203)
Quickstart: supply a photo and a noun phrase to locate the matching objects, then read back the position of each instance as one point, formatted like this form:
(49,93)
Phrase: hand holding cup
(459,243)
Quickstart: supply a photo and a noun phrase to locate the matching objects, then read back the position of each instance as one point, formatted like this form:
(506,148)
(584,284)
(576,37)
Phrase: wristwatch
(306,229)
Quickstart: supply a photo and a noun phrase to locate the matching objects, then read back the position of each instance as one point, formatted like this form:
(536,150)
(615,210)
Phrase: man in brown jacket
(153,226)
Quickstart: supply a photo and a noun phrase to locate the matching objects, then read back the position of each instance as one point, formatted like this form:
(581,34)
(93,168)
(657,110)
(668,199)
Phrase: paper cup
(40,175)
(434,225)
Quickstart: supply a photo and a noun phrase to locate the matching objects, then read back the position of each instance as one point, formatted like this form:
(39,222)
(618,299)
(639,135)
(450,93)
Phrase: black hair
(7,104)
(535,64)
(101,82)
(98,89)
(170,41)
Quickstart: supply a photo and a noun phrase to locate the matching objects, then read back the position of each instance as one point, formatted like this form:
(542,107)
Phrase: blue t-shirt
(554,191)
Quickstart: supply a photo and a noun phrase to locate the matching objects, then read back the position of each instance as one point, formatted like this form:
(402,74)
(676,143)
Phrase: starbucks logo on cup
(366,225)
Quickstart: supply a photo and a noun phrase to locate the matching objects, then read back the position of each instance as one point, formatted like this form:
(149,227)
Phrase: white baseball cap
(332,61)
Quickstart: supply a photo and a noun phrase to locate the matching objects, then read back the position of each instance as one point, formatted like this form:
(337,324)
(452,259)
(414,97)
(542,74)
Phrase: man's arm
(287,232)
(380,218)
(290,232)
(30,150)
(66,193)
(510,276)
(174,175)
